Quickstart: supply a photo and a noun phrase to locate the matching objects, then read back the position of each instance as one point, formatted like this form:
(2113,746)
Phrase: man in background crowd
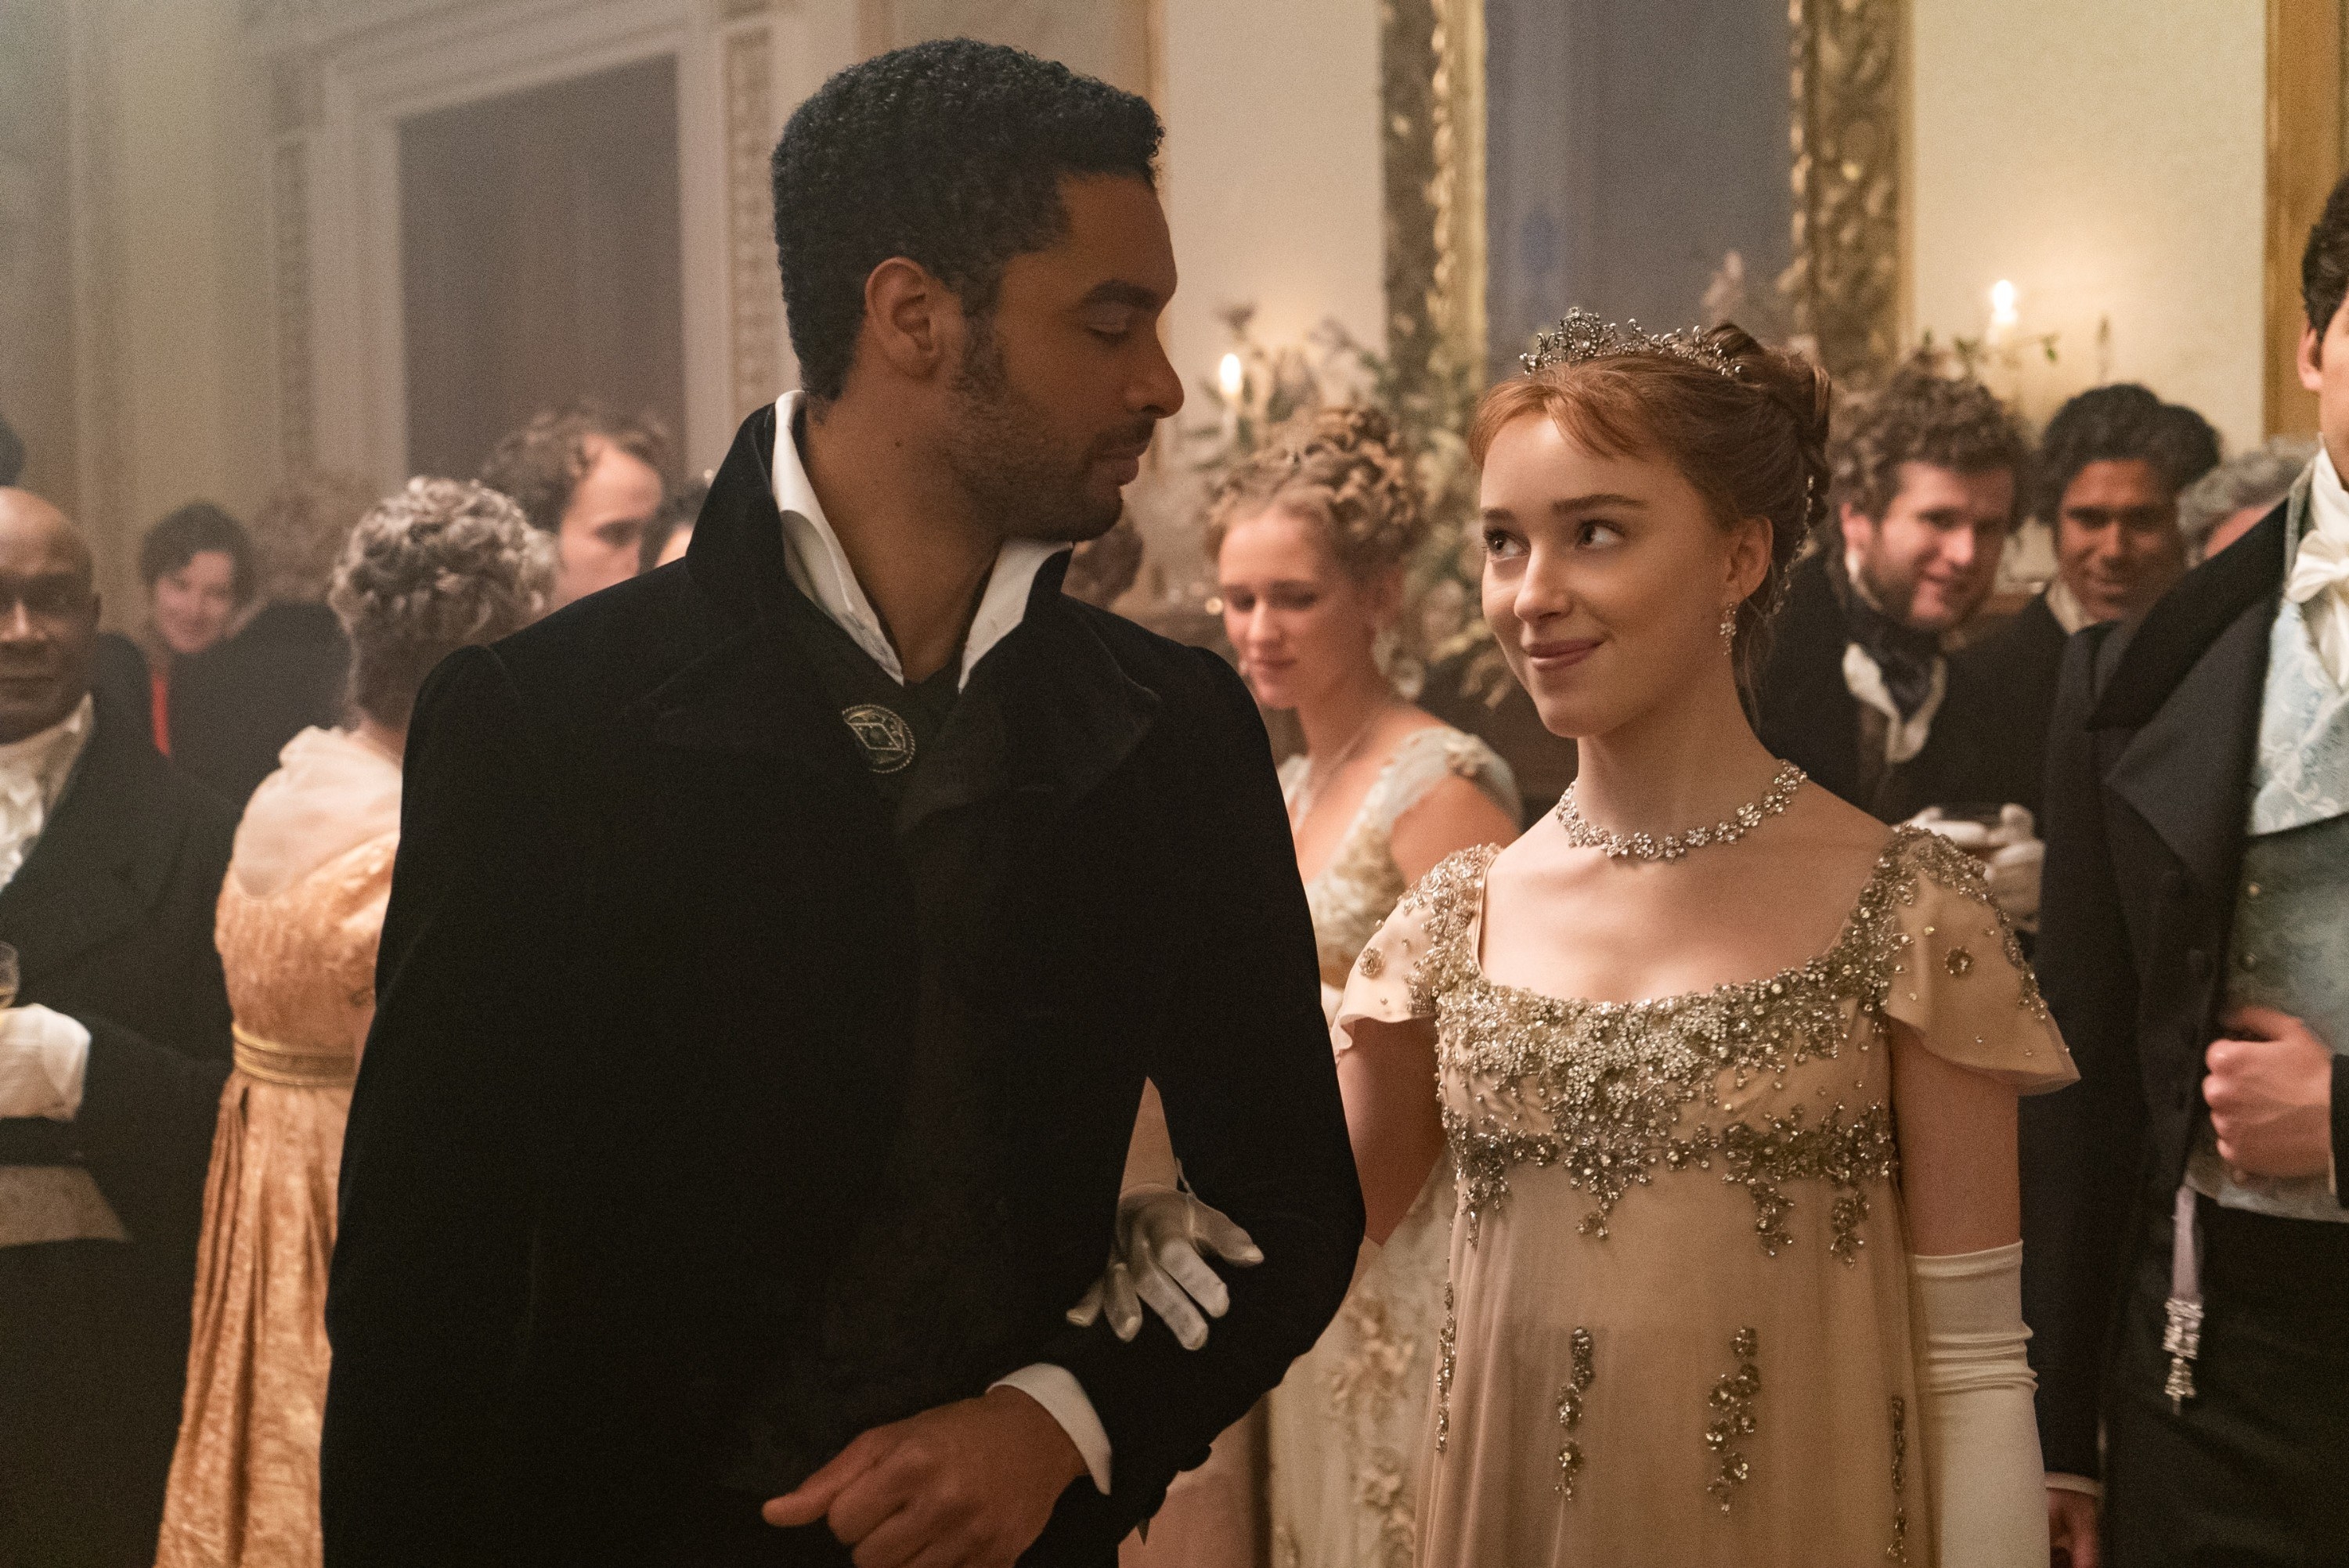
(2226,503)
(670,532)
(2111,465)
(1926,477)
(236,705)
(2186,1266)
(110,864)
(591,478)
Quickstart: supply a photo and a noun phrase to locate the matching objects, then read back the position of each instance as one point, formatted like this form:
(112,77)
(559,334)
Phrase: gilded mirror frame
(1845,288)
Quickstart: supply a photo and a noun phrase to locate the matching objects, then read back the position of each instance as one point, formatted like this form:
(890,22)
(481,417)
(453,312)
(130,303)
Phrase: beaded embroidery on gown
(1344,1428)
(1676,1320)
(301,913)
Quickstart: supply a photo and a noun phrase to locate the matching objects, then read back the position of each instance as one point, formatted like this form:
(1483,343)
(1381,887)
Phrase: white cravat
(32,773)
(819,568)
(2319,583)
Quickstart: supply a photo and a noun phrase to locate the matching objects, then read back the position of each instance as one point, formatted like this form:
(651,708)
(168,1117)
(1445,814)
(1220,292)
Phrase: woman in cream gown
(1733,1275)
(1309,536)
(437,566)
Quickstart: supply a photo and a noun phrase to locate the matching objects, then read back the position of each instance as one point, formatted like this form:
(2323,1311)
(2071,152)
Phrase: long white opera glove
(1982,1440)
(43,1056)
(2011,850)
(1155,1258)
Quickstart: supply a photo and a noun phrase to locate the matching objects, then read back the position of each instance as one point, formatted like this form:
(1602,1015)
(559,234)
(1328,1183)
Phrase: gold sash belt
(304,1066)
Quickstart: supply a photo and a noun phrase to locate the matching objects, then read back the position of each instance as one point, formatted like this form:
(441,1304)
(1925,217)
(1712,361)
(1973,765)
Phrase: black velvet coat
(235,706)
(2003,692)
(111,916)
(2149,783)
(637,1141)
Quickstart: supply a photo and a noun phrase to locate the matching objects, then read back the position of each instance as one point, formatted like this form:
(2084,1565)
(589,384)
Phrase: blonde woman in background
(1310,535)
(437,567)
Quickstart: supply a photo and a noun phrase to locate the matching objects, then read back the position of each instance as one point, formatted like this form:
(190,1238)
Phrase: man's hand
(43,1056)
(2270,1095)
(968,1485)
(1156,1258)
(2071,1529)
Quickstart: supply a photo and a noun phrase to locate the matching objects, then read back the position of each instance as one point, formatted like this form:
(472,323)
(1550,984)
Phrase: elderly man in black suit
(780,941)
(110,1073)
(2187,1268)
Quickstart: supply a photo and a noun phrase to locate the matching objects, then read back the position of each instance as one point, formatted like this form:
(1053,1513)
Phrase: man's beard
(1005,460)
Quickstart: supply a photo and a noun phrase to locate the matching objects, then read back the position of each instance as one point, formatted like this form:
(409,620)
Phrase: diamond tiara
(1582,335)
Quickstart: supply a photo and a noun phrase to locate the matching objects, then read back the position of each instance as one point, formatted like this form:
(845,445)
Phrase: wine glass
(8,975)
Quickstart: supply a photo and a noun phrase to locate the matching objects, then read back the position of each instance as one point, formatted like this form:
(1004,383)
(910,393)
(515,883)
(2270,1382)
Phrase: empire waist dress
(1676,1326)
(301,914)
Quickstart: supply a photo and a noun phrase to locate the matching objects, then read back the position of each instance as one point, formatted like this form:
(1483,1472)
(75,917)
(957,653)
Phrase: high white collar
(48,755)
(819,568)
(2328,500)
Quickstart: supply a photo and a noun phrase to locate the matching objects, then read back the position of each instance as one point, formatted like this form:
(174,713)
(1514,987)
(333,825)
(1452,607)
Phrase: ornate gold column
(1845,281)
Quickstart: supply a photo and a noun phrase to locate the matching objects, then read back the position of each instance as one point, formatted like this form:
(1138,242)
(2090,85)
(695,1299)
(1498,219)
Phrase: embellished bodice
(1352,895)
(1764,1084)
(1676,1312)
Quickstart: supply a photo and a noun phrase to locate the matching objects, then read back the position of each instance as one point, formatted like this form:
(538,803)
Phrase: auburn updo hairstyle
(1753,444)
(1343,468)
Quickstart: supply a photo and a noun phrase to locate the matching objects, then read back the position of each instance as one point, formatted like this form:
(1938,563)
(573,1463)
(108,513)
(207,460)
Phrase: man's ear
(911,319)
(2311,359)
(1856,526)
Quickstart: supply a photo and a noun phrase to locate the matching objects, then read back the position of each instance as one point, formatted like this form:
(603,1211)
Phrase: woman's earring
(1729,629)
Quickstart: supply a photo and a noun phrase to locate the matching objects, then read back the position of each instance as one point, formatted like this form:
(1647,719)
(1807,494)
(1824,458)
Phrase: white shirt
(819,568)
(32,773)
(2319,583)
(44,1055)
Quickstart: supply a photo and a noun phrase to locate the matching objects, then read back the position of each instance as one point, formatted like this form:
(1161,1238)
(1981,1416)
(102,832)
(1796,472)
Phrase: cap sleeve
(1399,974)
(1960,978)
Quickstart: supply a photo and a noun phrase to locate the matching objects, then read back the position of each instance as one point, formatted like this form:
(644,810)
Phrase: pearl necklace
(1582,835)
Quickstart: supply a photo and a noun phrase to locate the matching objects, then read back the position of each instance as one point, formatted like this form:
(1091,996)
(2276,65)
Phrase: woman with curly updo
(1728,1070)
(1312,534)
(437,567)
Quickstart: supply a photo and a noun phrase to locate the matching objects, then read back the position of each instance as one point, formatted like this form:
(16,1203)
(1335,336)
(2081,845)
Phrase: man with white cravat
(2186,1266)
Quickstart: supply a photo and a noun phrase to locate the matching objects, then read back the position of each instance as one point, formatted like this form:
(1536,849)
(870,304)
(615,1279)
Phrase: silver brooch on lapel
(887,739)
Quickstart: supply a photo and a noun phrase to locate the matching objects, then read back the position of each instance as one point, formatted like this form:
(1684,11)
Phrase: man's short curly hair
(538,465)
(2121,423)
(442,565)
(948,154)
(1920,416)
(187,531)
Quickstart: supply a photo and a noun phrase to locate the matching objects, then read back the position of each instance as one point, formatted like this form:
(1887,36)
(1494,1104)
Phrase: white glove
(1155,1257)
(43,1054)
(1981,1442)
(2011,853)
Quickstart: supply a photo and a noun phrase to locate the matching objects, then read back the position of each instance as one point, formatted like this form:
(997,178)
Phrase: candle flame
(1231,377)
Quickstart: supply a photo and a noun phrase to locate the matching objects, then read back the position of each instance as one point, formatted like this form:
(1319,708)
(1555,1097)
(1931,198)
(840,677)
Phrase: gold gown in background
(300,916)
(1676,1322)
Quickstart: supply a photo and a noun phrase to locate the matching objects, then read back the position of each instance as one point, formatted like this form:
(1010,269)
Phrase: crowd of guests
(2143,764)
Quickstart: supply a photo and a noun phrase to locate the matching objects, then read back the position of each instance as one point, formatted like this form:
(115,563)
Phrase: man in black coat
(2112,463)
(110,1073)
(780,941)
(2186,1269)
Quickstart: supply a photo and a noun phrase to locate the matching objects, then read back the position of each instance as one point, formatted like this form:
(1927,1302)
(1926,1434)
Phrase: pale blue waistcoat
(2291,945)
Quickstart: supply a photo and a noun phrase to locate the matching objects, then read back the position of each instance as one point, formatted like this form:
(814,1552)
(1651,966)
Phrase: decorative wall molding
(754,306)
(1845,281)
(347,73)
(102,444)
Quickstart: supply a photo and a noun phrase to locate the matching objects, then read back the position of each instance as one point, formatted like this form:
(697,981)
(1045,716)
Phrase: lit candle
(1231,380)
(2002,313)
